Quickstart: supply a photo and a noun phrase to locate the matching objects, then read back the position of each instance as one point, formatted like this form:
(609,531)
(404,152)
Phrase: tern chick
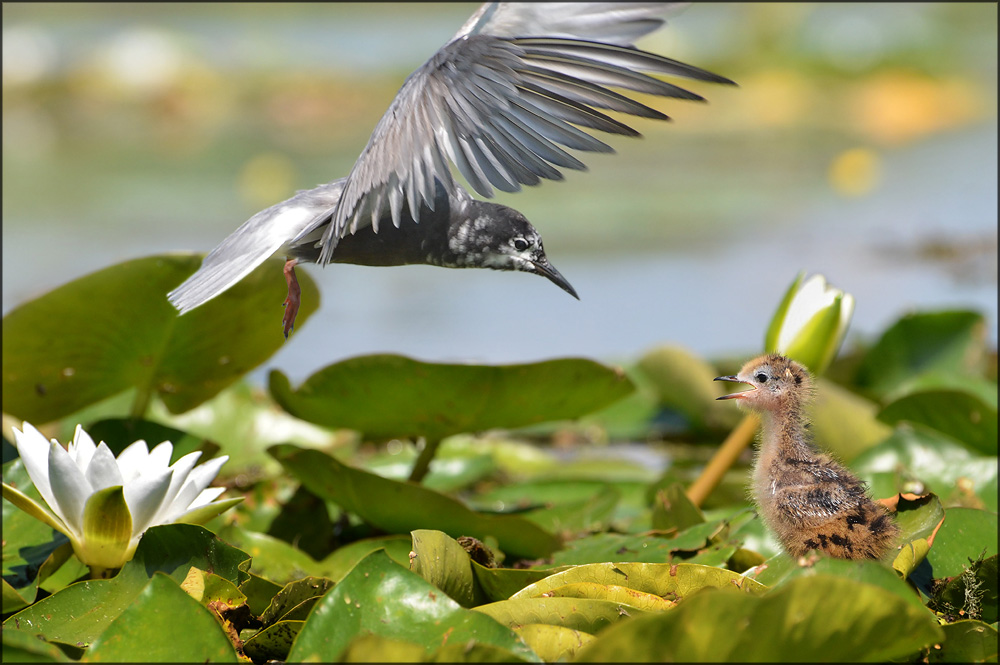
(807,499)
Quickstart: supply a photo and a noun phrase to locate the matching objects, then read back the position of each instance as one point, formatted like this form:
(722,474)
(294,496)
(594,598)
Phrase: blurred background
(861,143)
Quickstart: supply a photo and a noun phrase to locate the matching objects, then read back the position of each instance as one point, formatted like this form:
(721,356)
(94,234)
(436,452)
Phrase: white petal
(207,496)
(198,480)
(182,470)
(82,448)
(102,472)
(160,455)
(132,460)
(69,487)
(812,296)
(144,497)
(33,449)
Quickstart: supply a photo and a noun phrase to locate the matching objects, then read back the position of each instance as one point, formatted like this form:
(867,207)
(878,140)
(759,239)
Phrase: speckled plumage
(501,101)
(809,500)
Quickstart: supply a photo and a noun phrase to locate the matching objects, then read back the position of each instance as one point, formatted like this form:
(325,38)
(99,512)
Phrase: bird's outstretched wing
(499,101)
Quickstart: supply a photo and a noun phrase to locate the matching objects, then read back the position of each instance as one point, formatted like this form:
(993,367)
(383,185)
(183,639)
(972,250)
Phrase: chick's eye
(520,244)
(761,377)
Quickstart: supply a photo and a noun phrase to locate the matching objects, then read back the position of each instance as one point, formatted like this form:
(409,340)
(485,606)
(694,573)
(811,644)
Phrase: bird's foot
(291,303)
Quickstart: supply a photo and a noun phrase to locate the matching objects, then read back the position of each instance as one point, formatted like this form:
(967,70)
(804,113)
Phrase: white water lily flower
(810,323)
(103,504)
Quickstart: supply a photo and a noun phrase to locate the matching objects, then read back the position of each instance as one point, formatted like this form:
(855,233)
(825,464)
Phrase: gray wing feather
(620,23)
(253,243)
(498,101)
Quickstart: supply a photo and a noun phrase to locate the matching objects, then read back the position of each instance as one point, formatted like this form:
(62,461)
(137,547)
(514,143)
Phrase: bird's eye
(520,244)
(761,377)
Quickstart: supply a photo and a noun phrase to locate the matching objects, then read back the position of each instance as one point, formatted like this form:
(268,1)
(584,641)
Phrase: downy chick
(807,499)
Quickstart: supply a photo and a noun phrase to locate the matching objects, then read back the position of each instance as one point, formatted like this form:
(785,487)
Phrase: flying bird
(501,101)
(809,500)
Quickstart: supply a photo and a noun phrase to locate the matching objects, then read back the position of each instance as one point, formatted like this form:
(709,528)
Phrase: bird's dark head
(776,383)
(498,237)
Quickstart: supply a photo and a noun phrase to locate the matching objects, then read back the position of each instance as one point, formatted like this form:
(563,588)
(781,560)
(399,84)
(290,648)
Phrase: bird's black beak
(739,395)
(547,270)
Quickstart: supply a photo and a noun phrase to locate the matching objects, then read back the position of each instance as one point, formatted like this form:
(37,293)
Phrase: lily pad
(670,581)
(966,534)
(959,413)
(915,459)
(649,548)
(272,642)
(553,643)
(390,396)
(966,642)
(943,342)
(114,330)
(439,559)
(502,583)
(858,622)
(684,382)
(27,542)
(382,598)
(140,634)
(402,507)
(82,611)
(583,614)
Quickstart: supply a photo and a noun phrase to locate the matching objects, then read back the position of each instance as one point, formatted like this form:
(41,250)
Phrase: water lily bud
(810,323)
(104,504)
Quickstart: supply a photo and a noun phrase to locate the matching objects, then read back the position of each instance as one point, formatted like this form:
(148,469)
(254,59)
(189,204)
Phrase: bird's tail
(246,248)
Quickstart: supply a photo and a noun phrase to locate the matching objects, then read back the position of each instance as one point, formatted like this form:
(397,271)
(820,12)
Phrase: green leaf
(27,542)
(399,507)
(390,396)
(672,509)
(20,647)
(553,643)
(583,614)
(82,611)
(685,382)
(966,642)
(843,422)
(622,595)
(918,460)
(502,583)
(782,569)
(343,559)
(858,622)
(444,563)
(958,413)
(671,581)
(603,547)
(591,514)
(259,592)
(966,534)
(119,433)
(141,633)
(296,597)
(944,342)
(380,649)
(273,559)
(918,516)
(382,598)
(272,642)
(114,330)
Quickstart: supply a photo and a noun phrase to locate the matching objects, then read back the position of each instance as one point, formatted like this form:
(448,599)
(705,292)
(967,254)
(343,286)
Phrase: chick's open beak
(736,379)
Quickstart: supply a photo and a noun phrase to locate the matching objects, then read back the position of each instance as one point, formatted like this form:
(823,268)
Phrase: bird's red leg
(291,303)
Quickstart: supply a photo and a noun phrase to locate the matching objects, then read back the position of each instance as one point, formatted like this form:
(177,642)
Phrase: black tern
(514,84)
